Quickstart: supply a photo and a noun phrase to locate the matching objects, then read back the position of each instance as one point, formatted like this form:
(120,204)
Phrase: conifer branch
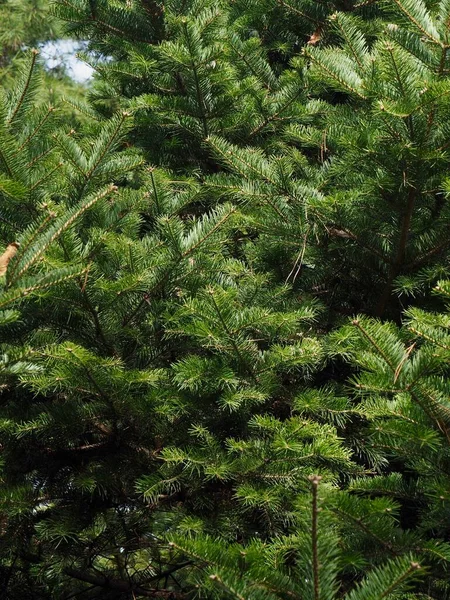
(69,157)
(390,50)
(401,86)
(431,116)
(6,164)
(392,131)
(299,260)
(417,23)
(108,145)
(231,338)
(91,378)
(263,176)
(200,98)
(377,347)
(275,116)
(103,24)
(38,127)
(365,3)
(423,258)
(298,12)
(249,65)
(311,56)
(172,268)
(47,176)
(64,225)
(361,525)
(37,158)
(211,232)
(19,293)
(335,232)
(348,41)
(34,55)
(98,328)
(26,244)
(228,588)
(395,584)
(429,411)
(155,191)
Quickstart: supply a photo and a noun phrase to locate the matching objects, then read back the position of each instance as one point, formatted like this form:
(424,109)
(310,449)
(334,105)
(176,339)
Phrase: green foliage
(341,139)
(24,22)
(404,396)
(185,411)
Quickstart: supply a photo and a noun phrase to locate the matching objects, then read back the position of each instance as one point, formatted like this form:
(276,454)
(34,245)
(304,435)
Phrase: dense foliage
(224,314)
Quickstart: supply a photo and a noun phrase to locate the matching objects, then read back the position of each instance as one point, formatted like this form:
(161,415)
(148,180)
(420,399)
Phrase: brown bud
(7,255)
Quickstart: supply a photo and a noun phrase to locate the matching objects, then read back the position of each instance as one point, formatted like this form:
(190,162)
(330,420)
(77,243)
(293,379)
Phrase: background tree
(25,23)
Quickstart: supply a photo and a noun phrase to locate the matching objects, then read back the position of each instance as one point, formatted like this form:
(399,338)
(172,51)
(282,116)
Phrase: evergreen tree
(338,151)
(402,385)
(181,415)
(48,184)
